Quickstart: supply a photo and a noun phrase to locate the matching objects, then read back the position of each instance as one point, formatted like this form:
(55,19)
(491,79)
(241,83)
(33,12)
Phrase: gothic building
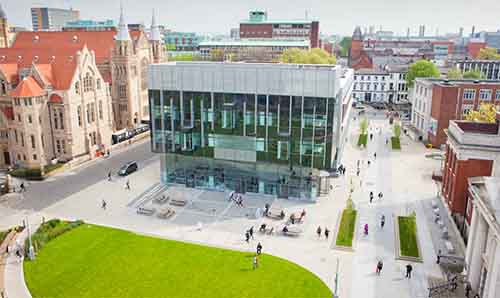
(4,29)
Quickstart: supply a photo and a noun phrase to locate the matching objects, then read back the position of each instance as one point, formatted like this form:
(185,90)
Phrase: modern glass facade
(280,145)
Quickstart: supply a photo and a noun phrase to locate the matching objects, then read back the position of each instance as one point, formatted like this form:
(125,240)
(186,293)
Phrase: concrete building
(54,104)
(52,19)
(483,254)
(472,150)
(437,101)
(90,25)
(382,86)
(182,41)
(489,68)
(4,29)
(274,129)
(122,57)
(258,26)
(249,49)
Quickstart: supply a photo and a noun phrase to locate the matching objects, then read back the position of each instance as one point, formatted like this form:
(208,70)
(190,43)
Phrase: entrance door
(6,157)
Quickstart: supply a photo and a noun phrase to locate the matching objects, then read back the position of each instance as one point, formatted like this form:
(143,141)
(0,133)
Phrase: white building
(382,86)
(483,252)
(421,103)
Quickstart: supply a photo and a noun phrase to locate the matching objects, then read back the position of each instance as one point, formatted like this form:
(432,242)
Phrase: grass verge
(346,228)
(395,143)
(408,236)
(363,139)
(92,261)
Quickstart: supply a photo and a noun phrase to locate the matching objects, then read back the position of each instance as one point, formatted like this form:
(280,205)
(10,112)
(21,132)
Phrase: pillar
(475,261)
(492,287)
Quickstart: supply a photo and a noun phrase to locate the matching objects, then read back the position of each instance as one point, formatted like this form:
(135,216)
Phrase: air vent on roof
(52,59)
(19,58)
(36,38)
(75,38)
(476,81)
(70,58)
(3,57)
(35,59)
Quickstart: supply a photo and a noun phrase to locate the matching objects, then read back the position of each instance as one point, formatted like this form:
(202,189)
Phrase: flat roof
(446,82)
(488,189)
(257,43)
(297,21)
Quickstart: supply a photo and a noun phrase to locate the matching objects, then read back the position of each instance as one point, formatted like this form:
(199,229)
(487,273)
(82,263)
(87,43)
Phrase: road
(40,195)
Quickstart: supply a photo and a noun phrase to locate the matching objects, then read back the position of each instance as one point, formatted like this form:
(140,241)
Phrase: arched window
(98,84)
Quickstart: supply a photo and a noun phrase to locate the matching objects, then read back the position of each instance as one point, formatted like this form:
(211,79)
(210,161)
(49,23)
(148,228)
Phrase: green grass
(93,261)
(363,139)
(395,143)
(408,236)
(346,229)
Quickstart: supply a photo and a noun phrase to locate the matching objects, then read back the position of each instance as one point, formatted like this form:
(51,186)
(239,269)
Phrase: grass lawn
(362,140)
(346,229)
(396,143)
(408,236)
(93,261)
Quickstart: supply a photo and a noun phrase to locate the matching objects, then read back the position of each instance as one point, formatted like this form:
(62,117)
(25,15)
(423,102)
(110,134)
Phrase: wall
(258,30)
(443,109)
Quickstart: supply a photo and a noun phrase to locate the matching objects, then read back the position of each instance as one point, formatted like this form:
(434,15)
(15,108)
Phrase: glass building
(262,128)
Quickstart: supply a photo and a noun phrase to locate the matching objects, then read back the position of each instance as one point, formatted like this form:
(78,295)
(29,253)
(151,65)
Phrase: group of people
(380,196)
(326,231)
(238,199)
(380,265)
(249,234)
(342,170)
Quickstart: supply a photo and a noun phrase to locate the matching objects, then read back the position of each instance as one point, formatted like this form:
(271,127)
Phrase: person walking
(380,265)
(468,289)
(375,155)
(255,262)
(109,176)
(22,187)
(247,236)
(259,248)
(371,196)
(327,233)
(369,163)
(380,195)
(103,205)
(357,172)
(382,221)
(318,231)
(358,162)
(127,185)
(409,268)
(250,231)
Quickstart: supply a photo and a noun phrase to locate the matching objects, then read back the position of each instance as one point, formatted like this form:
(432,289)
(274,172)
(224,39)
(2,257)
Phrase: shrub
(363,140)
(50,230)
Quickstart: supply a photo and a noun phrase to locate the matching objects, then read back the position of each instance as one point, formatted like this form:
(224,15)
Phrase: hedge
(50,230)
(34,173)
(363,139)
(396,143)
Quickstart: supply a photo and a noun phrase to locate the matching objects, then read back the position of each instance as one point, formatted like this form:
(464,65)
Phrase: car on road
(128,168)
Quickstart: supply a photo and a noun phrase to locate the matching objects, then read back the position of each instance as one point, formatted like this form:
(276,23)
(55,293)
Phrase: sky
(335,16)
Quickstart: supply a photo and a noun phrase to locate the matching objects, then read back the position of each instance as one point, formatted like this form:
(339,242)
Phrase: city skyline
(227,14)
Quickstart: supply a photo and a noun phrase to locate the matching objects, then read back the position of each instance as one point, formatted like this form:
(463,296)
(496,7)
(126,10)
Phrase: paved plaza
(210,218)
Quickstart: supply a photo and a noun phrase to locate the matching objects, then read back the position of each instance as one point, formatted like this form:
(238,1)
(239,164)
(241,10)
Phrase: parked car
(128,168)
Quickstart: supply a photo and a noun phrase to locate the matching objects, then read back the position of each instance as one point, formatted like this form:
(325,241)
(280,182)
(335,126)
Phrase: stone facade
(4,29)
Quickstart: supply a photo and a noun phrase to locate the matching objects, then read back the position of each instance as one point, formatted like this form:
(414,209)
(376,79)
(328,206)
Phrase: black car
(128,168)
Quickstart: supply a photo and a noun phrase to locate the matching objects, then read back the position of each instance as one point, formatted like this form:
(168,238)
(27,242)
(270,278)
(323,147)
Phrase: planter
(362,140)
(406,239)
(345,233)
(395,143)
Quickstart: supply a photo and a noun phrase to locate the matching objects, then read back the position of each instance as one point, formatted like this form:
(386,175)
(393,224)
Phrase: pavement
(403,177)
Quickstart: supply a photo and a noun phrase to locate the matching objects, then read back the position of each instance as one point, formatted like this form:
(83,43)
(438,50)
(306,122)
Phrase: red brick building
(435,102)
(259,27)
(471,150)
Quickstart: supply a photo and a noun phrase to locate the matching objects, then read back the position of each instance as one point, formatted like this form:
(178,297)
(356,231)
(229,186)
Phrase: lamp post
(31,250)
(336,289)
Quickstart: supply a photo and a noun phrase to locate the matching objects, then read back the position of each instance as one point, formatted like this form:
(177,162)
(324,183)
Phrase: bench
(293,231)
(161,200)
(178,202)
(146,211)
(449,246)
(166,213)
(434,204)
(275,213)
(296,217)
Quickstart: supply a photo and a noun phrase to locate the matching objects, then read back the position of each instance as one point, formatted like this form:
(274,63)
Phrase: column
(493,269)
(475,263)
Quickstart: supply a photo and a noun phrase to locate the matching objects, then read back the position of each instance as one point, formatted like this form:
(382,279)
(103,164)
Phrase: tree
(363,126)
(488,54)
(473,74)
(314,56)
(487,113)
(421,69)
(217,55)
(454,74)
(345,46)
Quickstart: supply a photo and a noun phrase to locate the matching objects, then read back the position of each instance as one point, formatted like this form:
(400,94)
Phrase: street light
(336,289)
(31,250)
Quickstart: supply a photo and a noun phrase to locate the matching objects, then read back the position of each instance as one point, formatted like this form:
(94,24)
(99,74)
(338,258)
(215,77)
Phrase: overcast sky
(335,16)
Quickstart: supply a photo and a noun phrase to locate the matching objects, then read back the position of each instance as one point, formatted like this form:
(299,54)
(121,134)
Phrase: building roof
(447,82)
(488,191)
(357,35)
(3,15)
(297,21)
(54,98)
(9,71)
(28,87)
(256,43)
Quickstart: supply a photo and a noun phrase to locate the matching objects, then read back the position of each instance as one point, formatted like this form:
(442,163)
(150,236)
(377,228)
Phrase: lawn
(396,143)
(346,229)
(93,261)
(362,140)
(408,236)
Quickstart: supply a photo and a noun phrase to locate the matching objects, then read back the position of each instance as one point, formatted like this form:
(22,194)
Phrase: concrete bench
(275,214)
(293,231)
(449,246)
(161,200)
(444,233)
(434,204)
(166,213)
(146,211)
(436,211)
(178,202)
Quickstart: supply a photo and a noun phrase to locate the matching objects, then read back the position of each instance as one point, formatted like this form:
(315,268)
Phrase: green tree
(486,113)
(421,69)
(345,46)
(363,126)
(454,74)
(314,56)
(217,55)
(473,74)
(397,129)
(488,54)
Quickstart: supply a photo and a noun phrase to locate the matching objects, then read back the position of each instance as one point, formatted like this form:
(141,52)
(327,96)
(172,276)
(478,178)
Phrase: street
(41,194)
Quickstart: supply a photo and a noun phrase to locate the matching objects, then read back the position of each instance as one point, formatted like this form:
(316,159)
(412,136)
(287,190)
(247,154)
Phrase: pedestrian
(409,268)
(127,185)
(386,141)
(327,233)
(468,288)
(259,248)
(382,221)
(438,257)
(255,262)
(318,231)
(357,172)
(343,170)
(103,205)
(109,176)
(380,195)
(369,163)
(380,265)
(250,231)
(371,196)
(371,136)
(358,163)
(22,189)
(247,236)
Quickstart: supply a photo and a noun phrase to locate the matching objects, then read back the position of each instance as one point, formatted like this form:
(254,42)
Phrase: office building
(381,86)
(182,41)
(274,129)
(52,19)
(90,25)
(489,68)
